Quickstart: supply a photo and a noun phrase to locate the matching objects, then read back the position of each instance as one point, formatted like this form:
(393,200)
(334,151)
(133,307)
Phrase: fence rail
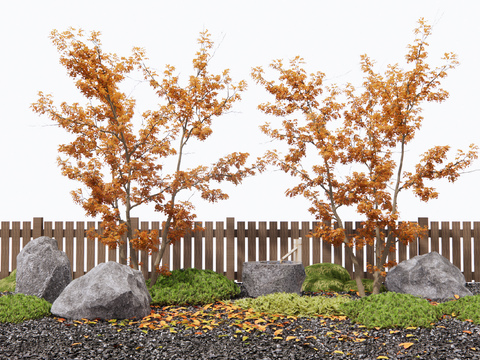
(224,246)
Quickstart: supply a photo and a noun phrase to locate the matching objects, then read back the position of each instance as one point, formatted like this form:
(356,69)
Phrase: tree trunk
(358,269)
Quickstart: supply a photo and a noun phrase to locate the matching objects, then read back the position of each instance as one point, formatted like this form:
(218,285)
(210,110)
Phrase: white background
(330,35)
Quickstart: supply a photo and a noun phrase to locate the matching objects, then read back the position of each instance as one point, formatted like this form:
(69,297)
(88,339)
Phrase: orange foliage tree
(352,152)
(123,163)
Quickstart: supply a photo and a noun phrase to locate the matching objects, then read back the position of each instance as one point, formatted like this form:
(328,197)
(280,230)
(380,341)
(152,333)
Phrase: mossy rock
(9,283)
(325,277)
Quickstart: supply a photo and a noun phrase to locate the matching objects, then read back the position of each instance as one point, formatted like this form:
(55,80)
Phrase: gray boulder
(108,291)
(42,269)
(268,277)
(430,276)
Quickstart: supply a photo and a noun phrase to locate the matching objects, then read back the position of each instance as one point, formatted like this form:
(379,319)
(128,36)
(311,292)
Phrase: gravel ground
(319,338)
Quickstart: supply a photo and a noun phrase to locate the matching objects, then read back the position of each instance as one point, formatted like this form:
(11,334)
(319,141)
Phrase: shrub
(20,307)
(294,304)
(9,283)
(192,287)
(390,310)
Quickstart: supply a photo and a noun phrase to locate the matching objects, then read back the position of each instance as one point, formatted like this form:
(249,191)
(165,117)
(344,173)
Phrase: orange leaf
(406,345)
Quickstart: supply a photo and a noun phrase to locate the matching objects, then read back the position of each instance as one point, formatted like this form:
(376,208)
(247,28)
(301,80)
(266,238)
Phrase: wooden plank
(37,227)
(156,226)
(262,241)
(294,234)
(48,229)
(252,243)
(316,246)
(187,250)
(26,233)
(348,260)
(134,223)
(231,248)
(80,247)
(219,253)
(467,251)
(435,236)
(326,249)
(445,232)
(58,234)
(176,249)
(283,238)
(456,248)
(240,248)
(90,248)
(423,240)
(209,245)
(198,249)
(304,235)
(273,235)
(359,253)
(476,251)
(413,248)
(69,235)
(370,250)
(16,235)
(101,248)
(5,248)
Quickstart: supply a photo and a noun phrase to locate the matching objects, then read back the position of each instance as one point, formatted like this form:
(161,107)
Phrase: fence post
(4,240)
(230,248)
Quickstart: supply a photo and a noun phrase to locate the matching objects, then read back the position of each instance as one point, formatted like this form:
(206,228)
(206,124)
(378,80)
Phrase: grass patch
(294,304)
(192,287)
(19,307)
(9,283)
(466,308)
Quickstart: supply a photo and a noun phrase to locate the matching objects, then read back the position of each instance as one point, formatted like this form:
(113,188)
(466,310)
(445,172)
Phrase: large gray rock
(430,276)
(268,277)
(108,291)
(42,269)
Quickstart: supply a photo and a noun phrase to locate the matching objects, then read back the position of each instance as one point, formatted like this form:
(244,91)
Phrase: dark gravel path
(320,338)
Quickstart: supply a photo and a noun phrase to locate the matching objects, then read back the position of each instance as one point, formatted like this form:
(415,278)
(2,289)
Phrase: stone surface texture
(267,277)
(430,276)
(108,291)
(42,269)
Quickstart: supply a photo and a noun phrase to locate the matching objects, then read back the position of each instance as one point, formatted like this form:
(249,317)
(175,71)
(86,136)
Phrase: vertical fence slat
(240,248)
(326,250)
(295,234)
(209,245)
(304,234)
(219,236)
(262,241)
(16,234)
(37,227)
(283,238)
(69,234)
(359,253)
(90,247)
(156,226)
(370,259)
(58,234)
(252,236)
(434,236)
(316,252)
(476,250)
(446,239)
(231,248)
(5,248)
(187,250)
(177,253)
(144,254)
(101,248)
(467,250)
(423,241)
(273,235)
(456,234)
(80,259)
(48,229)
(198,249)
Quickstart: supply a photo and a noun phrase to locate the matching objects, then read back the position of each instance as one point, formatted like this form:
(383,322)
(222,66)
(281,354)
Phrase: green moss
(192,287)
(367,284)
(9,283)
(294,304)
(19,307)
(466,308)
(391,310)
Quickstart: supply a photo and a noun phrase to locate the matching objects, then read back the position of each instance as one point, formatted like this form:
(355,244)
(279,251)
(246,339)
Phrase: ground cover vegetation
(306,323)
(347,146)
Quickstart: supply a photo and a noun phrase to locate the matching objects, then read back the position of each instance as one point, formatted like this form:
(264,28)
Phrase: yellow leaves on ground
(406,345)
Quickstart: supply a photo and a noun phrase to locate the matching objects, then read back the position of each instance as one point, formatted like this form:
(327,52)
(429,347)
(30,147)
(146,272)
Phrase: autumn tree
(122,159)
(329,130)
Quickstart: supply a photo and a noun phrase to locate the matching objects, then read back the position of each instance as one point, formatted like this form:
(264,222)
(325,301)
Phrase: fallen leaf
(406,345)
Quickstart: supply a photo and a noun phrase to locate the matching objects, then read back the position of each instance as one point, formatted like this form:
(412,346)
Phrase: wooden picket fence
(224,246)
